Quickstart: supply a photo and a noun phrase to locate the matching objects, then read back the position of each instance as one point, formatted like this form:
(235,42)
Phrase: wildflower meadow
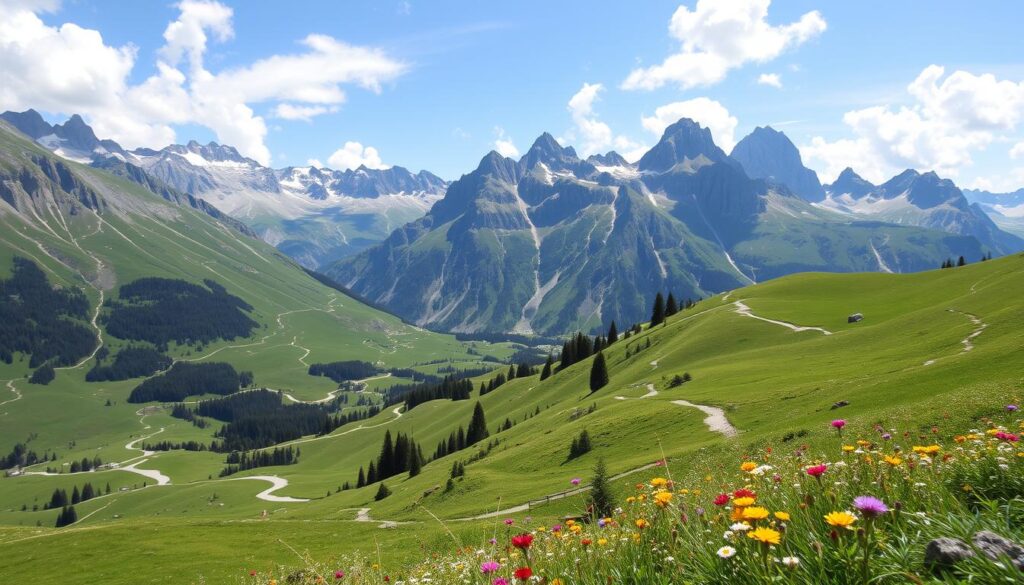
(874,505)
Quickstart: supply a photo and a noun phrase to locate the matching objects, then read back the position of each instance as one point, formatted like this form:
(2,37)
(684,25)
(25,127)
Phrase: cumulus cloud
(716,37)
(503,143)
(69,69)
(1017,151)
(949,118)
(304,113)
(771,79)
(706,112)
(590,134)
(354,155)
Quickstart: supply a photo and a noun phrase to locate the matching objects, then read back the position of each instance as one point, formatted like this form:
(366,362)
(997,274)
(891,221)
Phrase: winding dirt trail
(267,495)
(17,395)
(363,515)
(744,310)
(967,342)
(715,419)
(651,392)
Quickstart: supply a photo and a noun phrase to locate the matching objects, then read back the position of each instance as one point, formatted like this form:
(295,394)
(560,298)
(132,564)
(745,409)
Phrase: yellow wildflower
(663,498)
(893,460)
(765,535)
(755,513)
(848,448)
(641,523)
(743,502)
(748,466)
(602,541)
(659,482)
(784,516)
(840,519)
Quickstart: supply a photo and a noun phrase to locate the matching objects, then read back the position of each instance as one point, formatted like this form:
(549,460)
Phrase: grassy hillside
(933,347)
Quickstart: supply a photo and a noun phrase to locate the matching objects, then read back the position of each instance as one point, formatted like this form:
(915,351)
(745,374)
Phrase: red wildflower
(523,573)
(743,493)
(339,574)
(817,470)
(721,499)
(522,541)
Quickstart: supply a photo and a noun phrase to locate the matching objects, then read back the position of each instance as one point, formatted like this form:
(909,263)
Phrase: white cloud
(503,143)
(68,69)
(771,79)
(947,121)
(721,35)
(353,155)
(590,134)
(315,163)
(304,113)
(704,111)
(1017,151)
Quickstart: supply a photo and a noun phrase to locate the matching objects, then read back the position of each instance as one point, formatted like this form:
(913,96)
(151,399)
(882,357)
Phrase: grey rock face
(769,154)
(995,546)
(945,553)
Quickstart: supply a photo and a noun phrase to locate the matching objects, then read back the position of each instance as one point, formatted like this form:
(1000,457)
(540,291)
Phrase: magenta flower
(489,567)
(817,470)
(839,423)
(556,528)
(499,581)
(339,574)
(509,522)
(870,506)
(1011,407)
(575,481)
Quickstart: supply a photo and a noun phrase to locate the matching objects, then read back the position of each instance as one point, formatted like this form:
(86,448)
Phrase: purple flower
(509,521)
(489,567)
(601,523)
(1011,407)
(886,436)
(839,423)
(870,506)
(575,481)
(494,541)
(556,528)
(499,581)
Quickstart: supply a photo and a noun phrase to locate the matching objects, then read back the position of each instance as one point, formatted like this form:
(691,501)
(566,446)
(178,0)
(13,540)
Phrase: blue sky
(444,82)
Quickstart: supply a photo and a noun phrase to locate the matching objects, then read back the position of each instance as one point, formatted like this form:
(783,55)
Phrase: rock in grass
(994,546)
(944,553)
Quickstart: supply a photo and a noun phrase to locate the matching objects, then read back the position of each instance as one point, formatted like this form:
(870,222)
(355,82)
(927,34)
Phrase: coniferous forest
(188,379)
(130,362)
(162,310)
(40,320)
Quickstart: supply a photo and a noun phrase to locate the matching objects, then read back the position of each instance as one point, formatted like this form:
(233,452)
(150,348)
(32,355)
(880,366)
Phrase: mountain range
(312,214)
(551,242)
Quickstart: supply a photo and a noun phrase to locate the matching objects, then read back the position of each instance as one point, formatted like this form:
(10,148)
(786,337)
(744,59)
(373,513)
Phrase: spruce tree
(546,372)
(613,333)
(415,465)
(477,426)
(371,474)
(961,262)
(361,480)
(512,372)
(602,500)
(386,458)
(382,492)
(598,373)
(671,307)
(658,314)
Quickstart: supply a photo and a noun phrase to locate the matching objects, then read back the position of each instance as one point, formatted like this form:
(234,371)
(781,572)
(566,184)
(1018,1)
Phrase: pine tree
(75,496)
(87,492)
(602,500)
(598,373)
(477,426)
(658,314)
(415,464)
(546,372)
(361,480)
(512,372)
(961,262)
(382,492)
(371,474)
(613,333)
(671,307)
(460,439)
(387,455)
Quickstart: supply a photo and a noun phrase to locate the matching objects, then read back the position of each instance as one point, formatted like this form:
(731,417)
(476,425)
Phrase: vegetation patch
(162,310)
